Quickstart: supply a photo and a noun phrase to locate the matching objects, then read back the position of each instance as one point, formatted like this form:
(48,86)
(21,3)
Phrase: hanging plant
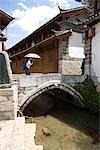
(91,97)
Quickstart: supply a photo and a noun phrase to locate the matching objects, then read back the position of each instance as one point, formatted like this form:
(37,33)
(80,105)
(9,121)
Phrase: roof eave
(54,37)
(36,31)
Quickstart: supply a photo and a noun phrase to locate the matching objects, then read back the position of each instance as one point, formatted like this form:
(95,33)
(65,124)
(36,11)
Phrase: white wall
(76,47)
(95,69)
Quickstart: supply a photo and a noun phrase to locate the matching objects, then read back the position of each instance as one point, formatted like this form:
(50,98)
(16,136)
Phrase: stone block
(6,92)
(98,87)
(71,67)
(8,103)
(6,115)
(27,81)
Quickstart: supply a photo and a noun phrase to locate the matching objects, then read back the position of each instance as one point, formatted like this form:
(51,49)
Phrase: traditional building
(92,39)
(54,42)
(5,19)
(94,5)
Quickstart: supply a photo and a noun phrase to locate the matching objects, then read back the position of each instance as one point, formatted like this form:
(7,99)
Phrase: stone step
(29,142)
(12,134)
(16,135)
(37,147)
(6,130)
(17,142)
(30,129)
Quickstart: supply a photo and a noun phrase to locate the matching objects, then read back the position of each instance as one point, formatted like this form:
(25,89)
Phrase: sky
(30,15)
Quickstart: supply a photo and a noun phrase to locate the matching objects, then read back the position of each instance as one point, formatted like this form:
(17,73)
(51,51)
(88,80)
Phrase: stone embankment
(16,135)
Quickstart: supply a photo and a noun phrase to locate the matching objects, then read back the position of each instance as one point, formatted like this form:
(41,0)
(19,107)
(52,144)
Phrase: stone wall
(63,51)
(88,57)
(98,87)
(8,103)
(71,67)
(68,65)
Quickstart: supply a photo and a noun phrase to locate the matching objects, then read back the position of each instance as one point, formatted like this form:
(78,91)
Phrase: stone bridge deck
(37,79)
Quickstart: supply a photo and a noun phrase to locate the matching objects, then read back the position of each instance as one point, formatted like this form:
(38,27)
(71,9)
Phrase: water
(71,128)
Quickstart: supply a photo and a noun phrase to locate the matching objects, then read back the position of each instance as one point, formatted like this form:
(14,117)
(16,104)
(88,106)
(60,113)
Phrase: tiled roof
(6,19)
(65,13)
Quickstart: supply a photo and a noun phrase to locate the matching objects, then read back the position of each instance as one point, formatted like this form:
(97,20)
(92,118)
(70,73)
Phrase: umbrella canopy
(32,55)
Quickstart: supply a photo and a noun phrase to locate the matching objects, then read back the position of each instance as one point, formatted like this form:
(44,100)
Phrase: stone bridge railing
(37,79)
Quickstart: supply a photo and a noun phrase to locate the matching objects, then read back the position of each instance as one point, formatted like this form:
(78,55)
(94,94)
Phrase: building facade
(91,39)
(54,42)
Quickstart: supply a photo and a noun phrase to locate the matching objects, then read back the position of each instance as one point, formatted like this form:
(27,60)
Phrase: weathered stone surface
(7,85)
(6,106)
(72,67)
(7,115)
(8,103)
(98,87)
(66,64)
(16,135)
(6,92)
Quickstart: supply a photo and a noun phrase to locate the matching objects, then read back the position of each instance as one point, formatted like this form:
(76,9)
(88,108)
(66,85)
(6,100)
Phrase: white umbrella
(32,55)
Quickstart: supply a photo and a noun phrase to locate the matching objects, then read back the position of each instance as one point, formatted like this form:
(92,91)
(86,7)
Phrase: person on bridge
(29,63)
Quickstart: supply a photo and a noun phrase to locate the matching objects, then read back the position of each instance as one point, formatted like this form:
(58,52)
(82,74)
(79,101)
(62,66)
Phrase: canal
(71,127)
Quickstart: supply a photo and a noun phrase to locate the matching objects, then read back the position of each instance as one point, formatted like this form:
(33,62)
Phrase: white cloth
(29,64)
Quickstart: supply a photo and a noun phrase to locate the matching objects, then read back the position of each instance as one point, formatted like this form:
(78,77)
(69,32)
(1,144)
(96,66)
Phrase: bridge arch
(50,85)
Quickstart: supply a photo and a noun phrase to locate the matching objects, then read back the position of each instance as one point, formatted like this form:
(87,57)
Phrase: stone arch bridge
(60,86)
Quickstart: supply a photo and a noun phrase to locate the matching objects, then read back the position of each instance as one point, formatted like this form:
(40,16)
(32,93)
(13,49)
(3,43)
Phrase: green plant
(91,97)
